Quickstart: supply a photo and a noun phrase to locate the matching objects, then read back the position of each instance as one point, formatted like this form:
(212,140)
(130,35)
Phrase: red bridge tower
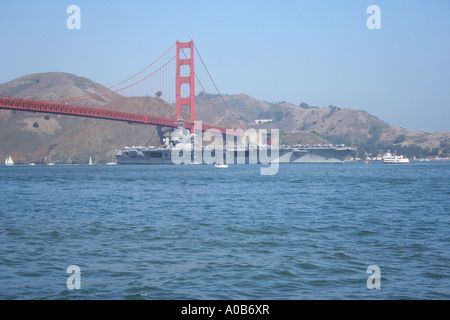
(185,76)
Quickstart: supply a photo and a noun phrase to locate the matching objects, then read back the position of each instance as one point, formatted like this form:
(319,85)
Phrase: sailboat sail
(9,161)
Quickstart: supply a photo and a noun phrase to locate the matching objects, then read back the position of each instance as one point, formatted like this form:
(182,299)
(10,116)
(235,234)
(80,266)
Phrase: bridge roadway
(32,105)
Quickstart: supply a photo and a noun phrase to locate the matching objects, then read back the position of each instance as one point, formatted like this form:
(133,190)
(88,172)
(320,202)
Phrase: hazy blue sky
(320,52)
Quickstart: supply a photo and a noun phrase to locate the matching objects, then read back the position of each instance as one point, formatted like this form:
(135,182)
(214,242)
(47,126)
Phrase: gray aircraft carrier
(181,145)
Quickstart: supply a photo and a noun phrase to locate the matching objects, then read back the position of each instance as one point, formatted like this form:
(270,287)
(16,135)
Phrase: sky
(320,52)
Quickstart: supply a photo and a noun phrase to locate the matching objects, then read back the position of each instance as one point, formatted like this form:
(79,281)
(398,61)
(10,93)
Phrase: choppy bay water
(199,232)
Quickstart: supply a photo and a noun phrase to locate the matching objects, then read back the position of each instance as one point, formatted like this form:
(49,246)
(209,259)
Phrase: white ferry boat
(389,158)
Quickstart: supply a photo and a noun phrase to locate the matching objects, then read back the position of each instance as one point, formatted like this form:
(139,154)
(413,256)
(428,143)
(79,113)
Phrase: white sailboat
(9,161)
(90,161)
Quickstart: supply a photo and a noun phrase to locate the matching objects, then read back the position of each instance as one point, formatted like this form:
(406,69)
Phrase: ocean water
(198,232)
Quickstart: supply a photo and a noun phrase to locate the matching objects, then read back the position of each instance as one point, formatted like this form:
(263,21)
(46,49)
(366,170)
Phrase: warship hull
(142,155)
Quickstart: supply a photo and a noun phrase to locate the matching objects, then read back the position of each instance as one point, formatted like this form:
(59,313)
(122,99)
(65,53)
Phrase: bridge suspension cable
(217,89)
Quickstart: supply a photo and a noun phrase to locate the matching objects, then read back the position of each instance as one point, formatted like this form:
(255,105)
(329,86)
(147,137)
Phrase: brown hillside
(31,137)
(313,124)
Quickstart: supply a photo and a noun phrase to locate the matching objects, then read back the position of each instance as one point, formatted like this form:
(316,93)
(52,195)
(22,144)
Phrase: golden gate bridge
(170,80)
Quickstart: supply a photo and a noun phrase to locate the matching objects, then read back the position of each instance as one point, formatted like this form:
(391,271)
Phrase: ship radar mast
(180,122)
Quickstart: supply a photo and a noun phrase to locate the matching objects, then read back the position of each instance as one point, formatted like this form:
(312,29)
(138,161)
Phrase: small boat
(112,161)
(48,163)
(221,165)
(32,164)
(90,161)
(9,161)
(389,158)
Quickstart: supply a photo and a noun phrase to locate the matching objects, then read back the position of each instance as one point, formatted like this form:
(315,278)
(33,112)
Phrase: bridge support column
(185,77)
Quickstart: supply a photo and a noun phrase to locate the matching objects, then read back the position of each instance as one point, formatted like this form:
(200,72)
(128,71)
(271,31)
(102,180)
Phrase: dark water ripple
(196,232)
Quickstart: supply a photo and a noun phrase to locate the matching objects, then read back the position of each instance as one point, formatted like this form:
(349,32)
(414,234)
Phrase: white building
(263,120)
